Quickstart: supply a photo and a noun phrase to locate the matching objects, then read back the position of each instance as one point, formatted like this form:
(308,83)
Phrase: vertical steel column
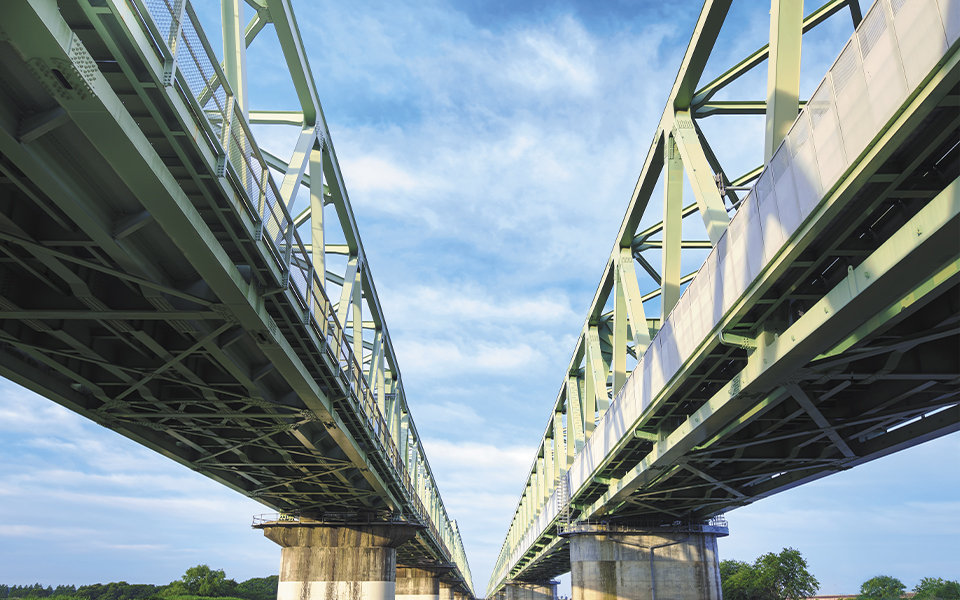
(618,357)
(576,434)
(783,73)
(235,51)
(560,464)
(672,226)
(317,248)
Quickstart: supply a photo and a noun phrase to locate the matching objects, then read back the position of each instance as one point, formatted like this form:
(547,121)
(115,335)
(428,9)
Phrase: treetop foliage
(198,582)
(885,587)
(882,587)
(782,576)
(934,588)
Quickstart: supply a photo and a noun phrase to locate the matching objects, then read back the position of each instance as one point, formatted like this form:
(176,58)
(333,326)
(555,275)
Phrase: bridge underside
(882,377)
(842,407)
(134,292)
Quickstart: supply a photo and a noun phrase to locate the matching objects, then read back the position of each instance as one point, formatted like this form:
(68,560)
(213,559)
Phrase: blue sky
(489,149)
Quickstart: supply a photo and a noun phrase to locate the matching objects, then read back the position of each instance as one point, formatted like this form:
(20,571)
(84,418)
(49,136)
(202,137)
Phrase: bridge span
(165,277)
(820,331)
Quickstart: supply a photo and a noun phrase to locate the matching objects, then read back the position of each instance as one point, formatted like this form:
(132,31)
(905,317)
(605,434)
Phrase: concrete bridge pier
(654,564)
(418,583)
(448,591)
(338,562)
(524,590)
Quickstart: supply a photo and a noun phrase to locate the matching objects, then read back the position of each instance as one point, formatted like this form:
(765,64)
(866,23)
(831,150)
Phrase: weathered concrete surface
(447,591)
(338,563)
(611,566)
(531,591)
(417,584)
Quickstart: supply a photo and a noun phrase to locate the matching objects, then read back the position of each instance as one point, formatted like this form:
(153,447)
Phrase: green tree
(786,575)
(201,580)
(258,588)
(739,580)
(728,568)
(882,587)
(934,588)
(64,590)
(176,588)
(782,576)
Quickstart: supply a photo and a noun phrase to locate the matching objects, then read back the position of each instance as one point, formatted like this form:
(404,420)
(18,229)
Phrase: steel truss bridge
(820,325)
(163,276)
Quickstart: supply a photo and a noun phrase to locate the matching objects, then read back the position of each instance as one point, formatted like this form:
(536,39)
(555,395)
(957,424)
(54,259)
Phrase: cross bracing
(163,276)
(821,330)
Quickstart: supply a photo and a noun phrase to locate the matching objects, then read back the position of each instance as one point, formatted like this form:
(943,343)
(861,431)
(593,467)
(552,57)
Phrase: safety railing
(716,524)
(191,64)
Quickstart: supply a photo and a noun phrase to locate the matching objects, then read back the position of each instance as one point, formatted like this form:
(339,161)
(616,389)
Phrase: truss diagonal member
(855,13)
(628,286)
(714,481)
(257,23)
(283,427)
(701,176)
(174,361)
(804,401)
(652,508)
(297,167)
(346,292)
(275,162)
(281,12)
(643,237)
(651,271)
(714,163)
(595,374)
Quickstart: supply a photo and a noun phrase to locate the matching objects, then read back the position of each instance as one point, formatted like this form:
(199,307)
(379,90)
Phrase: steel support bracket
(737,341)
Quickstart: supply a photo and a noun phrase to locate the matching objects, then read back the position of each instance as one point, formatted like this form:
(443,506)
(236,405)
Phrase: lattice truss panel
(740,344)
(164,276)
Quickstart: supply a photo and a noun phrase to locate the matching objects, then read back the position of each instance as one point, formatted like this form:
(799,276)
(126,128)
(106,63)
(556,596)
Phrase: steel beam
(783,77)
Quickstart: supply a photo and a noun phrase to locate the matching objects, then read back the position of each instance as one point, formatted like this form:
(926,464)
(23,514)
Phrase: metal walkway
(822,329)
(156,279)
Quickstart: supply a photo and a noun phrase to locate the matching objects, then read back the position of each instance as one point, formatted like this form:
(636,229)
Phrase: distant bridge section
(821,331)
(165,277)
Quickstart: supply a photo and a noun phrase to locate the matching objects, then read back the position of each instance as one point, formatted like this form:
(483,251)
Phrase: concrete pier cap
(676,561)
(337,560)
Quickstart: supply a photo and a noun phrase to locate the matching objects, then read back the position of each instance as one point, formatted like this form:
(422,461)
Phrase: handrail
(204,86)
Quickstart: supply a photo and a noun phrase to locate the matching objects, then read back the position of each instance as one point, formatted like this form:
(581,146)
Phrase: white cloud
(471,303)
(43,531)
(447,414)
(23,410)
(442,358)
(480,486)
(558,59)
(369,174)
